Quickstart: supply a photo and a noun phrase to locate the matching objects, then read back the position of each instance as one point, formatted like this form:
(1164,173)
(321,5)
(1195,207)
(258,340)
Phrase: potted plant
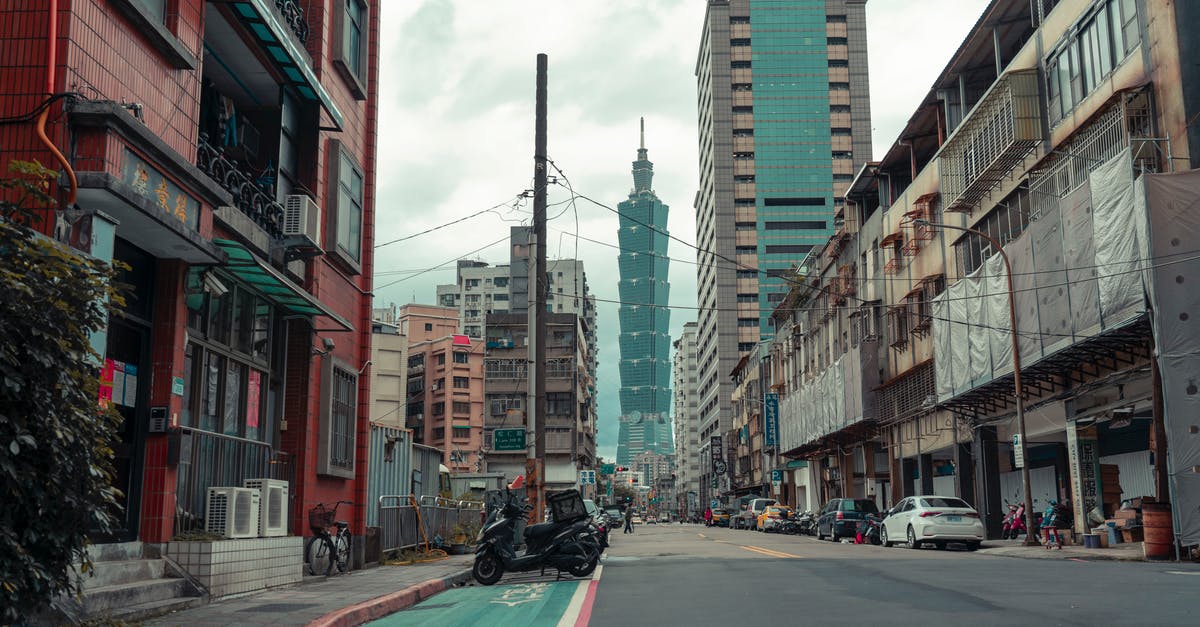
(461,535)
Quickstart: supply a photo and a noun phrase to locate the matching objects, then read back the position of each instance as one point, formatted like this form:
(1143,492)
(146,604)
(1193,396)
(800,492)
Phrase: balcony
(999,133)
(250,195)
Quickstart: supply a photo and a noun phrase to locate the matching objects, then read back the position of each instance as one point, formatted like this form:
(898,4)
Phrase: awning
(264,22)
(248,268)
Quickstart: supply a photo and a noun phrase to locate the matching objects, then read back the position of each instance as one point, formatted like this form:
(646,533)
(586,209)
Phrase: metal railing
(406,522)
(249,196)
(211,460)
(293,16)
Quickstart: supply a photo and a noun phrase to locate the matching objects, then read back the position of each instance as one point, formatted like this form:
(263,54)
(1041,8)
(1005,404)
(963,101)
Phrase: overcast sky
(456,131)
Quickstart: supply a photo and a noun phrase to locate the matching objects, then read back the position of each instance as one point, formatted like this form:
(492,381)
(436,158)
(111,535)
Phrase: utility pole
(535,463)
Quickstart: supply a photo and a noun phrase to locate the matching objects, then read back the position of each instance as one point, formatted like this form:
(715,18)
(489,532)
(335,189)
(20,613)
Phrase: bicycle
(325,550)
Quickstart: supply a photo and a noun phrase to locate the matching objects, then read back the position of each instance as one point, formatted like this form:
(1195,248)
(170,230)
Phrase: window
(428,326)
(747,322)
(501,281)
(350,45)
(461,407)
(460,432)
(1099,42)
(788,249)
(501,403)
(796,225)
(439,433)
(440,359)
(347,207)
(560,404)
(438,408)
(461,357)
(462,382)
(339,400)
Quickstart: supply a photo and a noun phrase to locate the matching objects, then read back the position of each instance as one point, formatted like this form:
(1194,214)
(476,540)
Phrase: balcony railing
(209,460)
(250,196)
(1002,129)
(293,16)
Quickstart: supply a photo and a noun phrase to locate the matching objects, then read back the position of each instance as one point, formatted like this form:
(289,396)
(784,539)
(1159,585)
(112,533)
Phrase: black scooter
(572,546)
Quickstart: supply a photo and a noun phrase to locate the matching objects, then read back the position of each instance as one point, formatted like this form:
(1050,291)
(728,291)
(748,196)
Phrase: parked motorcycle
(1014,522)
(868,530)
(807,523)
(572,546)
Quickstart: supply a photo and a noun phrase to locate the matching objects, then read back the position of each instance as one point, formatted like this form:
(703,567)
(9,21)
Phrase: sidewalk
(1125,552)
(317,596)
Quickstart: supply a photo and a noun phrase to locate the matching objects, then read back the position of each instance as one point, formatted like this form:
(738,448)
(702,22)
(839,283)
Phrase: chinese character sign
(771,417)
(166,196)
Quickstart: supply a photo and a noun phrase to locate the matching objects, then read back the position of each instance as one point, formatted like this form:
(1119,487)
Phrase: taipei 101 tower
(645,423)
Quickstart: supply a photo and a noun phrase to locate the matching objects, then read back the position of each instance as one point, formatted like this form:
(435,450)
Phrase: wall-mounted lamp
(327,342)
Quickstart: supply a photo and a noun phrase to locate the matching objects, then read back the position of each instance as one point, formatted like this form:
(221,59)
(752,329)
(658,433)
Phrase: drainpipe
(51,65)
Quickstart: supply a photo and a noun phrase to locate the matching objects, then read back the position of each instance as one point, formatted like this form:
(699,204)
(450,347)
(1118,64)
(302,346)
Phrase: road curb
(1099,557)
(381,606)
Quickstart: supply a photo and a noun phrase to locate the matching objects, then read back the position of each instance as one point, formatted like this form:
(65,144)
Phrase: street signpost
(608,469)
(714,503)
(1018,451)
(587,477)
(508,439)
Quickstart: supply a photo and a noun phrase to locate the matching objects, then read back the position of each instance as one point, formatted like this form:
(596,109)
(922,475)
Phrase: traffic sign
(776,476)
(1018,454)
(714,503)
(608,469)
(508,439)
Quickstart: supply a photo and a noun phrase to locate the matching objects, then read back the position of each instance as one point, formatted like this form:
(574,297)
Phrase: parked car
(773,517)
(651,520)
(748,518)
(840,517)
(637,519)
(720,518)
(935,520)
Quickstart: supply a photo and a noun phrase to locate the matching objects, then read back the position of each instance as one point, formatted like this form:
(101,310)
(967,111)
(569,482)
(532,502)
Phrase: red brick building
(225,151)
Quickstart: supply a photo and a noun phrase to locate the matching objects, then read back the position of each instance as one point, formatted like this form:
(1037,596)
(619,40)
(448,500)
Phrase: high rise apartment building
(444,387)
(784,121)
(686,414)
(645,343)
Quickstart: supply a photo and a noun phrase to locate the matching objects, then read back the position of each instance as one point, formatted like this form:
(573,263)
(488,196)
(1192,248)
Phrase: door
(127,359)
(825,523)
(892,523)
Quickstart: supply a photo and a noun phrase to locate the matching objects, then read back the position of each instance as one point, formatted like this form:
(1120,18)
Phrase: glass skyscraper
(645,345)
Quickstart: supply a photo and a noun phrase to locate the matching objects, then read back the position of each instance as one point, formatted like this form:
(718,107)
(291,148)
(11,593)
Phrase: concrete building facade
(784,121)
(686,418)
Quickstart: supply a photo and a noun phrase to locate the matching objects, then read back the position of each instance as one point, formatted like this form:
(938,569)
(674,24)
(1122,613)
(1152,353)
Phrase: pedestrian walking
(628,520)
(1050,527)
(708,517)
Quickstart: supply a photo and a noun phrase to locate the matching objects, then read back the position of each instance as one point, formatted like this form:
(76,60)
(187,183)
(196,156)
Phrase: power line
(450,261)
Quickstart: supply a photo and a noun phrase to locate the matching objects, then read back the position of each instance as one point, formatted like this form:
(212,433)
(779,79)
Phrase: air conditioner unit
(232,512)
(302,218)
(273,506)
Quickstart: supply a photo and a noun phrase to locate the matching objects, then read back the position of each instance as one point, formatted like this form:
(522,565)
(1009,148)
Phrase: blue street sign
(771,416)
(777,475)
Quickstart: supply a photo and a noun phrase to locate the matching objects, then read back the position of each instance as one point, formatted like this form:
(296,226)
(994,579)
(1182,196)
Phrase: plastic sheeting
(1173,204)
(1117,233)
(826,404)
(1075,274)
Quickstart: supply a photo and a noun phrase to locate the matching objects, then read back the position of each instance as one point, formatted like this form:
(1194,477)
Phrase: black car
(841,517)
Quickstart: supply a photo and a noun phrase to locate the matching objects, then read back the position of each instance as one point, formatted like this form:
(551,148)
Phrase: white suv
(748,518)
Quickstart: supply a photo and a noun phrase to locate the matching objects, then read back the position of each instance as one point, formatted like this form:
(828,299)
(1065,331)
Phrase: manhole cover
(280,607)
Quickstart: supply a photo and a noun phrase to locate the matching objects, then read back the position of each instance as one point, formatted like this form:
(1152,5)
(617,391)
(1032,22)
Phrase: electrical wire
(444,263)
(36,111)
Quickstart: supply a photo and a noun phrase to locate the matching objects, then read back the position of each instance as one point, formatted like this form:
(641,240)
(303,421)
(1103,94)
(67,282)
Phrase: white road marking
(571,615)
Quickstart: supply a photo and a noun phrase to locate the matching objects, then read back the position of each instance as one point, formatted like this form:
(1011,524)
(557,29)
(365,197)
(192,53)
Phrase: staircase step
(123,595)
(115,551)
(111,573)
(152,609)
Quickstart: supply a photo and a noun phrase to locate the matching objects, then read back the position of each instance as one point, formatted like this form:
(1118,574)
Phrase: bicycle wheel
(320,556)
(342,544)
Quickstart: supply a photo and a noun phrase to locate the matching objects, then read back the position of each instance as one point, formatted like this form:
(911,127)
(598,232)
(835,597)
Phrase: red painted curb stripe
(381,606)
(585,612)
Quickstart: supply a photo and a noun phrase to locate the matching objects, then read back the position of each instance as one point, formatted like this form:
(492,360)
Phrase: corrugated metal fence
(390,466)
(401,519)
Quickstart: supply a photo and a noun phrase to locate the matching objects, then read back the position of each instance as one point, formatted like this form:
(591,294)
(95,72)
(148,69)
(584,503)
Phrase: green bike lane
(536,602)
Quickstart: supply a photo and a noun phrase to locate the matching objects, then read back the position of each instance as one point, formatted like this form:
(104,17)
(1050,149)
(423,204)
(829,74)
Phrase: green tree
(622,492)
(55,456)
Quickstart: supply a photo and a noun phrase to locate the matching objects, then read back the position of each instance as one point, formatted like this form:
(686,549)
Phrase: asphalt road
(689,575)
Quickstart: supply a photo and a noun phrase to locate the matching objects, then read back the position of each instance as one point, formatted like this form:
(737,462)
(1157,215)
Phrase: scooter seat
(539,530)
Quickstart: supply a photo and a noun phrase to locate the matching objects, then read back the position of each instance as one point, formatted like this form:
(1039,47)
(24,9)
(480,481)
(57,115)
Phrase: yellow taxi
(773,516)
(720,518)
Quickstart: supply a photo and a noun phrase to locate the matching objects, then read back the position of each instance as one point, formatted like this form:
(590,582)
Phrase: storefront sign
(771,417)
(714,451)
(167,196)
(1082,455)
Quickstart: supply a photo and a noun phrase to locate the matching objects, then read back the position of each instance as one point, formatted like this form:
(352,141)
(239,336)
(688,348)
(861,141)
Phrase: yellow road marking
(701,535)
(772,553)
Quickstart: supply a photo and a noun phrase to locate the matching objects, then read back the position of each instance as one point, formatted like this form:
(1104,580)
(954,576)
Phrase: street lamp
(1030,534)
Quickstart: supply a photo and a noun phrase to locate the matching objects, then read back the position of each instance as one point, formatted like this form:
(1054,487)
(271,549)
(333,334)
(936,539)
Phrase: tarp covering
(825,404)
(1173,204)
(1101,249)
